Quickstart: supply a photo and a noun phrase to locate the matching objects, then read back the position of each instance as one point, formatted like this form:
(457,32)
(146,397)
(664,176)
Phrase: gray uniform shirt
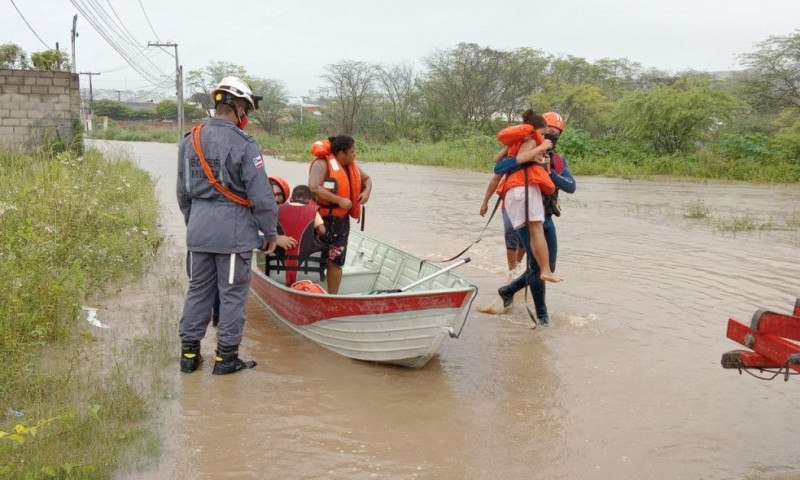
(215,224)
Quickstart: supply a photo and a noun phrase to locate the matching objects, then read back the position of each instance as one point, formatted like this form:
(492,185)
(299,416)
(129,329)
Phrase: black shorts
(337,232)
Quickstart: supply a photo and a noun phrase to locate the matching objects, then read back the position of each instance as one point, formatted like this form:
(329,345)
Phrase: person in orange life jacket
(341,187)
(515,252)
(300,218)
(225,200)
(280,188)
(523,188)
(564,181)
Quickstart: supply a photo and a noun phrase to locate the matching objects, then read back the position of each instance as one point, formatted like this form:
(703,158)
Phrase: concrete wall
(37,106)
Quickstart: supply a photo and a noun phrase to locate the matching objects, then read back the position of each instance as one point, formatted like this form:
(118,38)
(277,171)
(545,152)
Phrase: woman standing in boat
(341,187)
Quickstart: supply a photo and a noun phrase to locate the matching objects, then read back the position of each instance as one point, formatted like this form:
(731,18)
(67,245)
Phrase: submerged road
(627,384)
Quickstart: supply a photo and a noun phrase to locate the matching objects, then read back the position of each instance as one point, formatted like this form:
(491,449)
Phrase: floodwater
(626,384)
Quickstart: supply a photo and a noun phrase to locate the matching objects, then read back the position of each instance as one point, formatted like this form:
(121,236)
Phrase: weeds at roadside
(697,210)
(793,221)
(65,237)
(742,223)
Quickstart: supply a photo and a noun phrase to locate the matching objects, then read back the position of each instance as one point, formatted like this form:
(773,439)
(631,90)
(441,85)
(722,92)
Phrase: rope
(462,252)
(469,308)
(784,369)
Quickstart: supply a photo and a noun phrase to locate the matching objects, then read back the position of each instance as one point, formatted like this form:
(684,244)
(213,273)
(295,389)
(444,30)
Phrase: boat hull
(401,328)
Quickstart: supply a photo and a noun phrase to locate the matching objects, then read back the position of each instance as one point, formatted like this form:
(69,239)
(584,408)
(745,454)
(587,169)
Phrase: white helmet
(235,87)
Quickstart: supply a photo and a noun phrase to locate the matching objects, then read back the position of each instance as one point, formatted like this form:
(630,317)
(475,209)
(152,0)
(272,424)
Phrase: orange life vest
(309,286)
(343,180)
(513,137)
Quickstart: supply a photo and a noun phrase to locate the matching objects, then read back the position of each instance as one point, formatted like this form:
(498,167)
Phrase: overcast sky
(293,41)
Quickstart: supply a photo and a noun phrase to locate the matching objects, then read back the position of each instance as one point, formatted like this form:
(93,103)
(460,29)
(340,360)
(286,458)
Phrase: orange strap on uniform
(227,193)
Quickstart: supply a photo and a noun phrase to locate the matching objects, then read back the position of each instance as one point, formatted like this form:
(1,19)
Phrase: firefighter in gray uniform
(226,199)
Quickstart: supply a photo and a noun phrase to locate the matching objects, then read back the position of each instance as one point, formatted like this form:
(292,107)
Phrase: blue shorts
(512,239)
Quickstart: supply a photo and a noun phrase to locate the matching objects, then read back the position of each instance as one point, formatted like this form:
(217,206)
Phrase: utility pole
(91,98)
(118,95)
(178,84)
(74,36)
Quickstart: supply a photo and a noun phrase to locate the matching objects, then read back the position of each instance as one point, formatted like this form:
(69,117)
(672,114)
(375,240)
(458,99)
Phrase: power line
(107,28)
(91,93)
(127,32)
(125,65)
(148,21)
(29,25)
(146,17)
(104,24)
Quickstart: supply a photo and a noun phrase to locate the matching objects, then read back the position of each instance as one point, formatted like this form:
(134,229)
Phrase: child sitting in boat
(301,195)
(299,219)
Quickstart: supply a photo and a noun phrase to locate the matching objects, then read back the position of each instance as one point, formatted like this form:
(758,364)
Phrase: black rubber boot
(507,294)
(190,356)
(215,319)
(228,361)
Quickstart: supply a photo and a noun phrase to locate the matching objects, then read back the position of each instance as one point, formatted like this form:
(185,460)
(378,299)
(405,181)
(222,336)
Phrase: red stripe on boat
(305,309)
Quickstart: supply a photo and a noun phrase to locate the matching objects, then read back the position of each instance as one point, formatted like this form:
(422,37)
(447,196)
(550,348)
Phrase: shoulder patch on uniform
(258,162)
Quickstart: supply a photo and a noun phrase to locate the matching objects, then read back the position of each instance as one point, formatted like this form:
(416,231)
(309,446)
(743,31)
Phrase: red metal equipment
(769,336)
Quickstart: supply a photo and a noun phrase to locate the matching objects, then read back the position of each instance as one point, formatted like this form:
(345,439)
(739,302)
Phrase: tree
(111,109)
(524,74)
(272,106)
(467,81)
(167,110)
(772,81)
(12,56)
(349,83)
(193,112)
(672,118)
(202,81)
(582,105)
(398,87)
(51,60)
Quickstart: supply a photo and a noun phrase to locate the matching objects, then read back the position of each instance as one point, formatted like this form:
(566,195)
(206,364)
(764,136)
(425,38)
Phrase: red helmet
(283,184)
(554,120)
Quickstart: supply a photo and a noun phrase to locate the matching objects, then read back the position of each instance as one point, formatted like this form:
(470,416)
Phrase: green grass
(136,132)
(476,152)
(69,227)
(699,165)
(602,157)
(697,210)
(743,222)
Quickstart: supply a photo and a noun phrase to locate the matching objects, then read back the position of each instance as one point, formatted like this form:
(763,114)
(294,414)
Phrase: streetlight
(301,106)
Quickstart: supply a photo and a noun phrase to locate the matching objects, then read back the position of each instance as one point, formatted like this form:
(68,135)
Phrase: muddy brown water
(626,384)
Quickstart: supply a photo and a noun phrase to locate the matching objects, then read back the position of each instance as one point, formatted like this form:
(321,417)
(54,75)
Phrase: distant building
(314,109)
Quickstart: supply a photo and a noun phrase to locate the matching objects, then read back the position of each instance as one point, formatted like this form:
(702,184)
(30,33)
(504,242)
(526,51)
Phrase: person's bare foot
(550,277)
